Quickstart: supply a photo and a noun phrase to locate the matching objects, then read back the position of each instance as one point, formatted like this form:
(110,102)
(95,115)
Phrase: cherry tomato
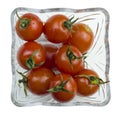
(63,87)
(57,28)
(88,82)
(82,37)
(29,27)
(69,59)
(38,80)
(31,55)
(50,55)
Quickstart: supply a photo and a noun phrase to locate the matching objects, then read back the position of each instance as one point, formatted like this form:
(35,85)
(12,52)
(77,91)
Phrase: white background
(9,110)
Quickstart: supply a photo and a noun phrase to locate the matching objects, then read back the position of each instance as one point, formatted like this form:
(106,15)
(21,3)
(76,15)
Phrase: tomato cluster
(57,67)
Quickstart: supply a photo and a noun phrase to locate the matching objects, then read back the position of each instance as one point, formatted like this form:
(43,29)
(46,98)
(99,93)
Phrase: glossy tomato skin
(70,86)
(27,49)
(54,29)
(63,64)
(82,37)
(38,80)
(33,30)
(50,55)
(85,88)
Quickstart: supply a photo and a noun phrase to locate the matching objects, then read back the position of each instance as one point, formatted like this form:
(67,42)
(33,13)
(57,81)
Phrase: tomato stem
(71,56)
(68,24)
(94,80)
(60,87)
(23,81)
(18,16)
(72,22)
(84,56)
(30,63)
(24,22)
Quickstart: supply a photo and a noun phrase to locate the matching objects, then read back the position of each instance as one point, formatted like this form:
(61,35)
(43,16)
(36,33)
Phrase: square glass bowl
(98,56)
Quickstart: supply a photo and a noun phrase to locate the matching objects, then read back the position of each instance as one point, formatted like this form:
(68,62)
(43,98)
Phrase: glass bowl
(98,56)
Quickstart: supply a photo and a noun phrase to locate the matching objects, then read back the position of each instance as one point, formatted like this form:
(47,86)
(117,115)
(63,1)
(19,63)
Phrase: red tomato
(88,82)
(50,55)
(31,55)
(29,27)
(57,28)
(82,37)
(68,59)
(38,80)
(63,87)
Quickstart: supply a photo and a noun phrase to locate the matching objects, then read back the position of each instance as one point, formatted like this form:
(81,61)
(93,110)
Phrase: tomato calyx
(68,24)
(70,55)
(30,63)
(94,80)
(24,22)
(23,81)
(60,86)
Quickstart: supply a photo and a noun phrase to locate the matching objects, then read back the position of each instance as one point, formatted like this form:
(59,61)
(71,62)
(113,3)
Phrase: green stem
(18,16)
(24,22)
(23,81)
(60,87)
(94,80)
(30,63)
(22,74)
(68,24)
(70,55)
